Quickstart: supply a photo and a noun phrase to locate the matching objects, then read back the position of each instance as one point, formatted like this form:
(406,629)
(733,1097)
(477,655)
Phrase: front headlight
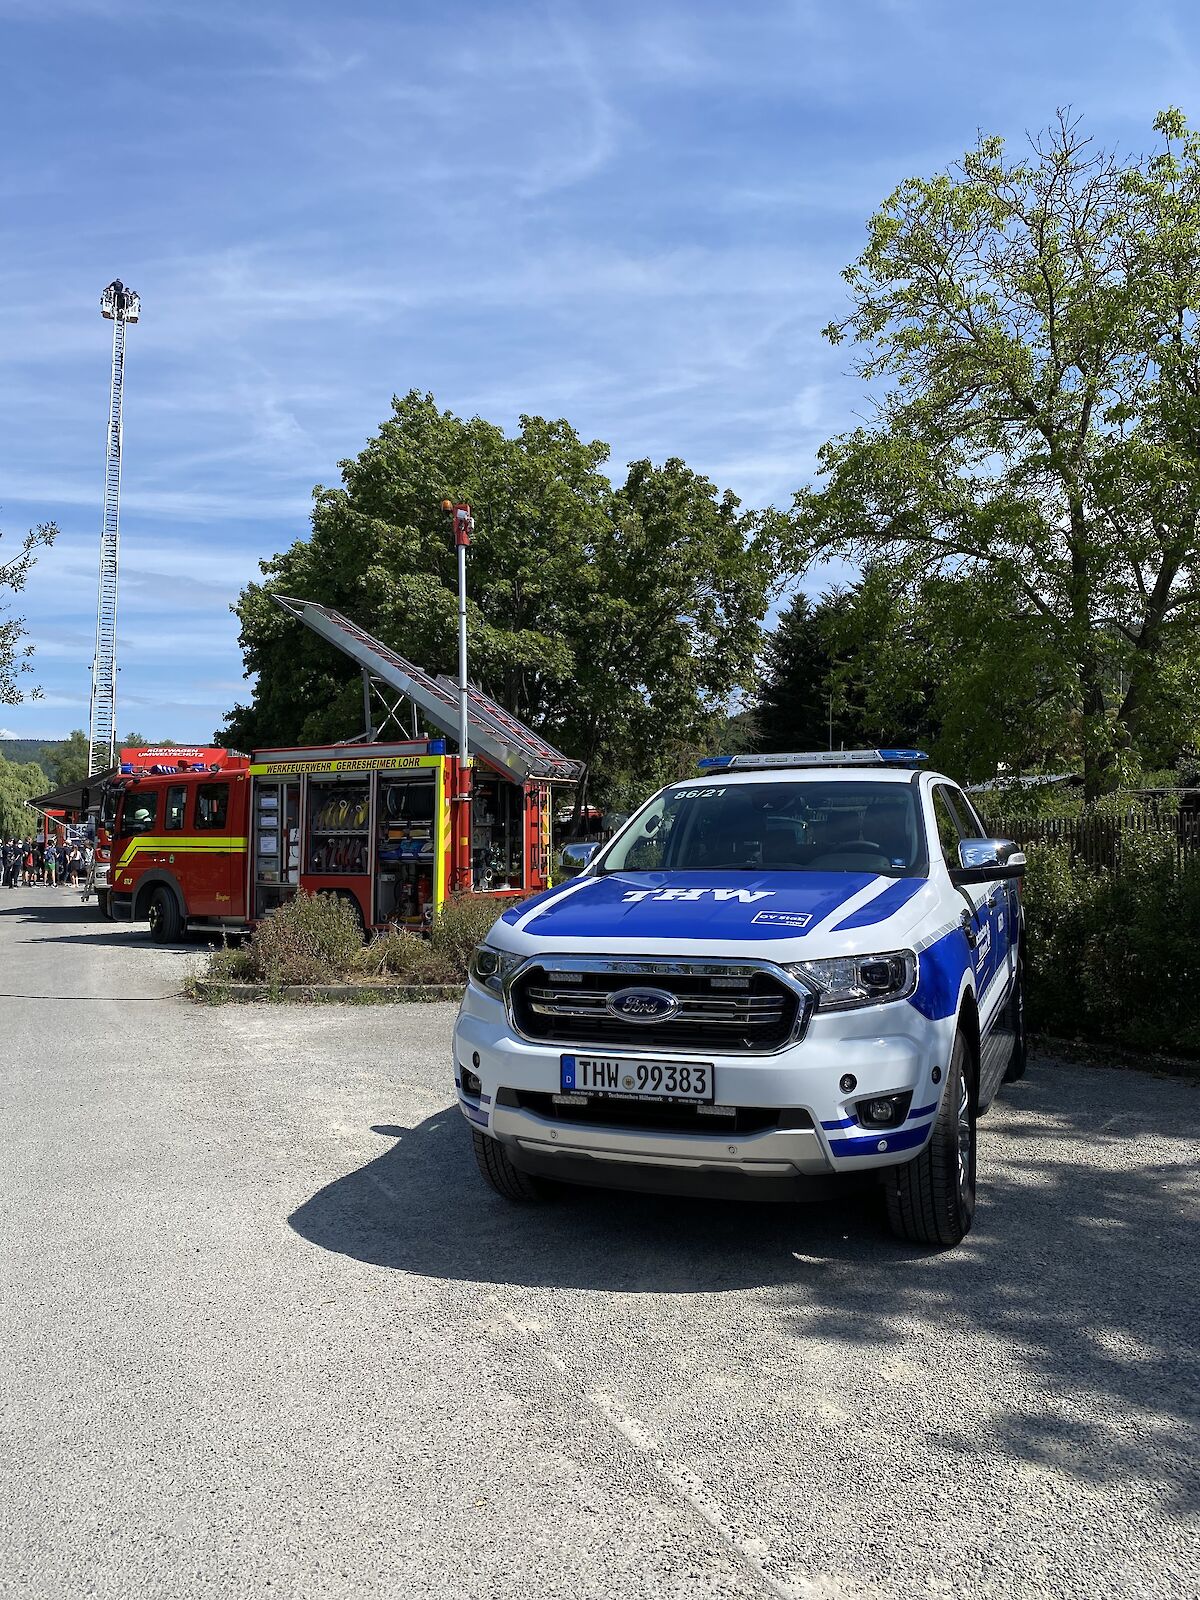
(845,981)
(489,967)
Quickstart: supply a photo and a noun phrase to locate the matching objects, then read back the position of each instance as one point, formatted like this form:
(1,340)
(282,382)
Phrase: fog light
(471,1085)
(884,1110)
(848,1084)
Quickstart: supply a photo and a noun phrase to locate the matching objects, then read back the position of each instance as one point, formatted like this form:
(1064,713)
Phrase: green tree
(793,709)
(15,652)
(614,620)
(19,782)
(914,663)
(67,762)
(924,662)
(677,585)
(1034,326)
(877,639)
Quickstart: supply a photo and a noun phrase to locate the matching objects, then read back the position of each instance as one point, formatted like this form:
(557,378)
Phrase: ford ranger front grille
(726,1007)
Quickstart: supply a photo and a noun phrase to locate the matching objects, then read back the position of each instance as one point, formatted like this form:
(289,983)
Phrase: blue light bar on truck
(814,758)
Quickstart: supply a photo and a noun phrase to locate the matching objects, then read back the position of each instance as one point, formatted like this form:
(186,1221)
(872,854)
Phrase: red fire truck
(370,823)
(145,760)
(381,824)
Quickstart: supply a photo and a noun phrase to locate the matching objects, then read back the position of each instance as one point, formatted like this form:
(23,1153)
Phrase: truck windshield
(802,826)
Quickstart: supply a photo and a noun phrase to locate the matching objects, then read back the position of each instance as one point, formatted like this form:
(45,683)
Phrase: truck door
(952,830)
(1002,902)
(132,848)
(209,881)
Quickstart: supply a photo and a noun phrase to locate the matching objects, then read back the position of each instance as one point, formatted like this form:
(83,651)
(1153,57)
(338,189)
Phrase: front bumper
(890,1049)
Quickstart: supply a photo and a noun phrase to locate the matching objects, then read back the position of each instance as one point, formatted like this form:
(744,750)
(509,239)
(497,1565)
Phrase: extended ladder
(121,306)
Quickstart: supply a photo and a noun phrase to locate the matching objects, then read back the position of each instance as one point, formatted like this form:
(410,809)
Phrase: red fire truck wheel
(166,923)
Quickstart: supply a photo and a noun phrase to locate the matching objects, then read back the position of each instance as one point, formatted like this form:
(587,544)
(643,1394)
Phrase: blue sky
(631,215)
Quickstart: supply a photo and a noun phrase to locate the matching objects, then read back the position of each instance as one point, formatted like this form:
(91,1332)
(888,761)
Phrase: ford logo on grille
(643,1005)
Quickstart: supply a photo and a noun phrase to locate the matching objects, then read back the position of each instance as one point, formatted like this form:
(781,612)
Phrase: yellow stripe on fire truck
(178,847)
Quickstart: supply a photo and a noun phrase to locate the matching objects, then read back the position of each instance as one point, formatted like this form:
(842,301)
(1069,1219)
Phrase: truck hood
(780,915)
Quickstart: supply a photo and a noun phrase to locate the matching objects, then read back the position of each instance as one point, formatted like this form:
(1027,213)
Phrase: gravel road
(263,1332)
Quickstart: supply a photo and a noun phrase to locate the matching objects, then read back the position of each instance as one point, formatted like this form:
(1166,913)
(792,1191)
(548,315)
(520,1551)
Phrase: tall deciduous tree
(614,620)
(19,782)
(67,761)
(15,651)
(918,663)
(1034,323)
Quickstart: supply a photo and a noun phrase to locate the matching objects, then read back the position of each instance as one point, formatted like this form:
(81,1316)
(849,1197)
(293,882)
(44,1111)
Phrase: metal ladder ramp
(483,709)
(500,736)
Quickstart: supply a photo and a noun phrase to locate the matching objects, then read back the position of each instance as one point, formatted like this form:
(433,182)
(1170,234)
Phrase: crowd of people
(26,862)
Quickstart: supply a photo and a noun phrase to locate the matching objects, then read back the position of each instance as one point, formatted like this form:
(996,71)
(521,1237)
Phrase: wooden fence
(1097,840)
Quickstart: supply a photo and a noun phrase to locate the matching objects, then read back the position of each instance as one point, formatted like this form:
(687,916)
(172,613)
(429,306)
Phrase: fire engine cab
(378,823)
(148,761)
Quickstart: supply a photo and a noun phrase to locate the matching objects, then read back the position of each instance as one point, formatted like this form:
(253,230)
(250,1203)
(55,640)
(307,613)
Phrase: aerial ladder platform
(121,306)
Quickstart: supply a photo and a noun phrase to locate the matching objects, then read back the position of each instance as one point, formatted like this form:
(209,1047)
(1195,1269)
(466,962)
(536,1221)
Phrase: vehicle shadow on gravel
(81,923)
(1081,1269)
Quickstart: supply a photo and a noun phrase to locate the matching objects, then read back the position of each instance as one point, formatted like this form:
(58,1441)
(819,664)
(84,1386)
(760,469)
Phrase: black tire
(166,919)
(932,1200)
(103,904)
(507,1180)
(1019,1060)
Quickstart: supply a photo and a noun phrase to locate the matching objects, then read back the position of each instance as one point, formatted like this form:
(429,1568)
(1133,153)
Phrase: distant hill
(19,751)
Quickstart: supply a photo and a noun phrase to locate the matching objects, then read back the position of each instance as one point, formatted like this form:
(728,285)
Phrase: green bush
(464,920)
(1116,957)
(317,939)
(233,963)
(405,958)
(311,938)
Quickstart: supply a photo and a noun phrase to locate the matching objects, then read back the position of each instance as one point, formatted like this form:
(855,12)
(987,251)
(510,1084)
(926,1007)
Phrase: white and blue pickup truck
(786,973)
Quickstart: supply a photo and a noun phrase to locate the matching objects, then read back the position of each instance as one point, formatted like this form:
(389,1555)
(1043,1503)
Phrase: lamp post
(464,526)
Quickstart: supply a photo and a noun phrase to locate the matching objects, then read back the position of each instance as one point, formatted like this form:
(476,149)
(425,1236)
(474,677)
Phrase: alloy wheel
(966,1137)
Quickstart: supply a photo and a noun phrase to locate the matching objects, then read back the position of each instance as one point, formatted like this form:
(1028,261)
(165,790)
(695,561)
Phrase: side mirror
(576,856)
(985,860)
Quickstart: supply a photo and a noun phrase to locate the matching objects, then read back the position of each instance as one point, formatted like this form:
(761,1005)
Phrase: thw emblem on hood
(745,897)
